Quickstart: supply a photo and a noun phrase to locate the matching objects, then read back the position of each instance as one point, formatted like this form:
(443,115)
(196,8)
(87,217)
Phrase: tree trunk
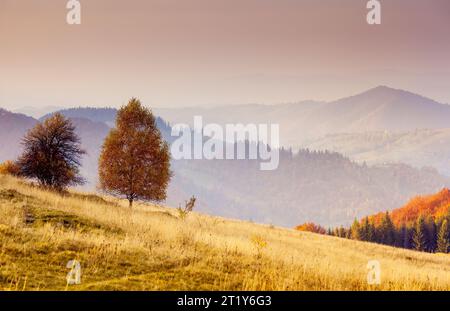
(130,203)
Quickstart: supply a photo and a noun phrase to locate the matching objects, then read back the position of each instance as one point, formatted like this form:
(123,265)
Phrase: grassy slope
(149,248)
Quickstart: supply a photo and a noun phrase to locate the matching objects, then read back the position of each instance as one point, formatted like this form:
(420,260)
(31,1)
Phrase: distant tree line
(426,234)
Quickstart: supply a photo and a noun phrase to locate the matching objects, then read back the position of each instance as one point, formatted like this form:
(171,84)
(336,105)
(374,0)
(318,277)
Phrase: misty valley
(313,182)
(214,153)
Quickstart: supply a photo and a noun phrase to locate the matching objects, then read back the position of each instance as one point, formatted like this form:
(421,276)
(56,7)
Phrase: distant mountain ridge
(320,187)
(13,127)
(378,109)
(418,148)
(36,112)
(384,108)
(105,115)
(323,187)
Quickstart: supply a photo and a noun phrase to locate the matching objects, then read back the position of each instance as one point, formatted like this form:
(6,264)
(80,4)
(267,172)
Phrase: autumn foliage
(9,168)
(52,154)
(435,206)
(422,224)
(135,160)
(311,227)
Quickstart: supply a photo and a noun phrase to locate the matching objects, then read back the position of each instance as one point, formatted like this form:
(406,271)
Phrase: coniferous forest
(422,225)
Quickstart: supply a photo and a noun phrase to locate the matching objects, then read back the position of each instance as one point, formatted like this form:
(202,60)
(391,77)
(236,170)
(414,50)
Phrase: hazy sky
(211,52)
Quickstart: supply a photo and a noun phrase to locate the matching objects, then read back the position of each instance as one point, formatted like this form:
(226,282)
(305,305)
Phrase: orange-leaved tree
(135,160)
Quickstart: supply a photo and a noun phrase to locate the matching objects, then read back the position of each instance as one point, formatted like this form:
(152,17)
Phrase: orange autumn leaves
(437,206)
(311,227)
(135,159)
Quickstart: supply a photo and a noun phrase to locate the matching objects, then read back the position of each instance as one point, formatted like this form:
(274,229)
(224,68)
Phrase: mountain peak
(386,90)
(382,95)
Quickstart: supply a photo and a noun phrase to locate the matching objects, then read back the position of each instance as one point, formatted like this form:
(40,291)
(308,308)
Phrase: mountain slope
(105,115)
(150,248)
(384,108)
(419,148)
(36,112)
(322,187)
(13,127)
(92,135)
(378,109)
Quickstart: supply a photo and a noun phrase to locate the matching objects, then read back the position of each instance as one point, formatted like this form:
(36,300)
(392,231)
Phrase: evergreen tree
(401,236)
(342,233)
(336,232)
(418,239)
(406,236)
(371,231)
(364,230)
(387,230)
(443,243)
(348,233)
(430,234)
(376,234)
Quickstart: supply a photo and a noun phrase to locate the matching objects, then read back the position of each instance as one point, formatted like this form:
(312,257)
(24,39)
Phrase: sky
(173,53)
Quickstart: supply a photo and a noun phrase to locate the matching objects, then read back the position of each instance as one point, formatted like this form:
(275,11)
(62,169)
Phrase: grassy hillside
(150,248)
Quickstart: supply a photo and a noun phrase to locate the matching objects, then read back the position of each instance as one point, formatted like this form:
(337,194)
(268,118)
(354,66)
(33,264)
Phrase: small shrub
(9,168)
(188,207)
(311,227)
(259,243)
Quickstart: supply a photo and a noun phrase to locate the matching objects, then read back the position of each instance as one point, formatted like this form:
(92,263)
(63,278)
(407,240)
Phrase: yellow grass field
(151,248)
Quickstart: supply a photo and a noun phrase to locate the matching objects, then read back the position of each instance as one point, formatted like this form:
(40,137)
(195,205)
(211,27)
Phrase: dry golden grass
(150,248)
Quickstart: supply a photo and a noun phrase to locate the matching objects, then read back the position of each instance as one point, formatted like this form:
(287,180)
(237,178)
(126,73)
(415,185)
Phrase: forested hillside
(423,224)
(322,187)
